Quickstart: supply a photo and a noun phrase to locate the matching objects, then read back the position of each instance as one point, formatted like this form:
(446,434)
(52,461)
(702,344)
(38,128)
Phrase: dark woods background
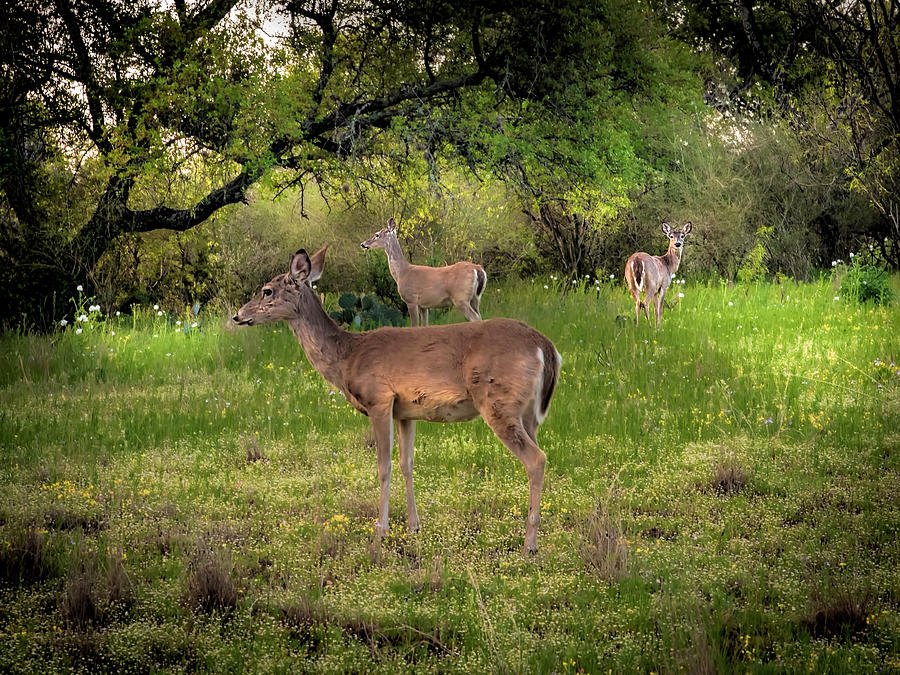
(179,152)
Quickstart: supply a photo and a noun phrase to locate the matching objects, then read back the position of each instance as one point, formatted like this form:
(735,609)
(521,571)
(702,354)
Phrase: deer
(652,274)
(500,369)
(421,287)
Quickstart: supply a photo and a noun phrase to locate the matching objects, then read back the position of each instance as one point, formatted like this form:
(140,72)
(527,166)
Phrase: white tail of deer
(652,274)
(422,287)
(500,369)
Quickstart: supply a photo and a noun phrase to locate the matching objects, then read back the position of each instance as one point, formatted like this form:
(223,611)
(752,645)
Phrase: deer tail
(637,267)
(552,364)
(480,281)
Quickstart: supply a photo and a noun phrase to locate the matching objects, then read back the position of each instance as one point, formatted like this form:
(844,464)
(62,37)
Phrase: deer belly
(435,408)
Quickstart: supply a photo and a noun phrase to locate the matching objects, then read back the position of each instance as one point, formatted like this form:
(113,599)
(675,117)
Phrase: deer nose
(363,245)
(235,318)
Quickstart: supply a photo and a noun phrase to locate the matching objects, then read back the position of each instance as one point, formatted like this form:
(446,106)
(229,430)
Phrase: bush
(867,282)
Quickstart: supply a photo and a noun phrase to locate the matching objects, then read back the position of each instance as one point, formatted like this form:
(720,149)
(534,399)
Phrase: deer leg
(406,438)
(514,436)
(659,308)
(475,303)
(424,311)
(530,422)
(467,311)
(413,314)
(636,296)
(384,440)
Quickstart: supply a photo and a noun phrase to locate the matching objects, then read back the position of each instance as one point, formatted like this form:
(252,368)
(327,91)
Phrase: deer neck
(324,342)
(671,259)
(397,262)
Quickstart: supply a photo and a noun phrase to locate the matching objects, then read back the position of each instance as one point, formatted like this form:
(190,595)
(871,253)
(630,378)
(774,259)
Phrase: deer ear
(688,226)
(300,265)
(317,262)
(392,225)
(667,230)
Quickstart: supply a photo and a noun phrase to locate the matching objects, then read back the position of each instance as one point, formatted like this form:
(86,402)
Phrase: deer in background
(500,369)
(422,287)
(652,274)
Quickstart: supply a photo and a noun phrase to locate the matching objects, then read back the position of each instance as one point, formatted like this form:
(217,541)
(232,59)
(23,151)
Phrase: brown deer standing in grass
(652,274)
(500,369)
(422,287)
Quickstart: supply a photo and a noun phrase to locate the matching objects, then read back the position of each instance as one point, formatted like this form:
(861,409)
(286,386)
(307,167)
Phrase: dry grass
(119,586)
(254,452)
(837,611)
(25,559)
(730,478)
(80,607)
(210,584)
(603,545)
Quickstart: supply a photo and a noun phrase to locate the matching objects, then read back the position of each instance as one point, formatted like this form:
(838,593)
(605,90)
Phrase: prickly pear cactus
(365,313)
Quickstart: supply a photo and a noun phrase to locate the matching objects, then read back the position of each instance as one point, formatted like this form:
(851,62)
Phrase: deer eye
(267,292)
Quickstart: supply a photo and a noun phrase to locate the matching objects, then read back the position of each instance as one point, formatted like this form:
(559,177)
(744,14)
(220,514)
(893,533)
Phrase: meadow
(722,494)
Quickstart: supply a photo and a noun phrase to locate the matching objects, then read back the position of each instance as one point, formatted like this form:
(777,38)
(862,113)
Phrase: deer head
(676,237)
(379,239)
(280,298)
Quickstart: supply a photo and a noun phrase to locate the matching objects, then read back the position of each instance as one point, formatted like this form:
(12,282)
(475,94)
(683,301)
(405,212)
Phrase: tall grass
(720,494)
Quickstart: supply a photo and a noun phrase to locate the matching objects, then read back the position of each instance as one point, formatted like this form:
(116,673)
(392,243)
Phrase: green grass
(721,495)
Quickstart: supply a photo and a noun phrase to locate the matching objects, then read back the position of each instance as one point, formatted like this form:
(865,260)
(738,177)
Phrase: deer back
(436,286)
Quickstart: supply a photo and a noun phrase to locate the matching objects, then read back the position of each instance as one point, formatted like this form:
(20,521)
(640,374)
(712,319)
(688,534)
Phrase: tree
(163,114)
(832,69)
(578,171)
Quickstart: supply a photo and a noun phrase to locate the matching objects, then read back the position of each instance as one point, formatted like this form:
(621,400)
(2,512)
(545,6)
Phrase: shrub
(867,282)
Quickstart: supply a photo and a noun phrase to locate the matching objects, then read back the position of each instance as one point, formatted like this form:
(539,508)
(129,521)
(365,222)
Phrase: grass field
(722,494)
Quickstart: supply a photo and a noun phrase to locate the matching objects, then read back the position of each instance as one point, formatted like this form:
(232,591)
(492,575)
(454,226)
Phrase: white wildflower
(63,322)
(77,331)
(155,306)
(79,288)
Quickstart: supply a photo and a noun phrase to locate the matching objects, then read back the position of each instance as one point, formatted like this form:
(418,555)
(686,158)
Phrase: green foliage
(753,267)
(863,283)
(364,313)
